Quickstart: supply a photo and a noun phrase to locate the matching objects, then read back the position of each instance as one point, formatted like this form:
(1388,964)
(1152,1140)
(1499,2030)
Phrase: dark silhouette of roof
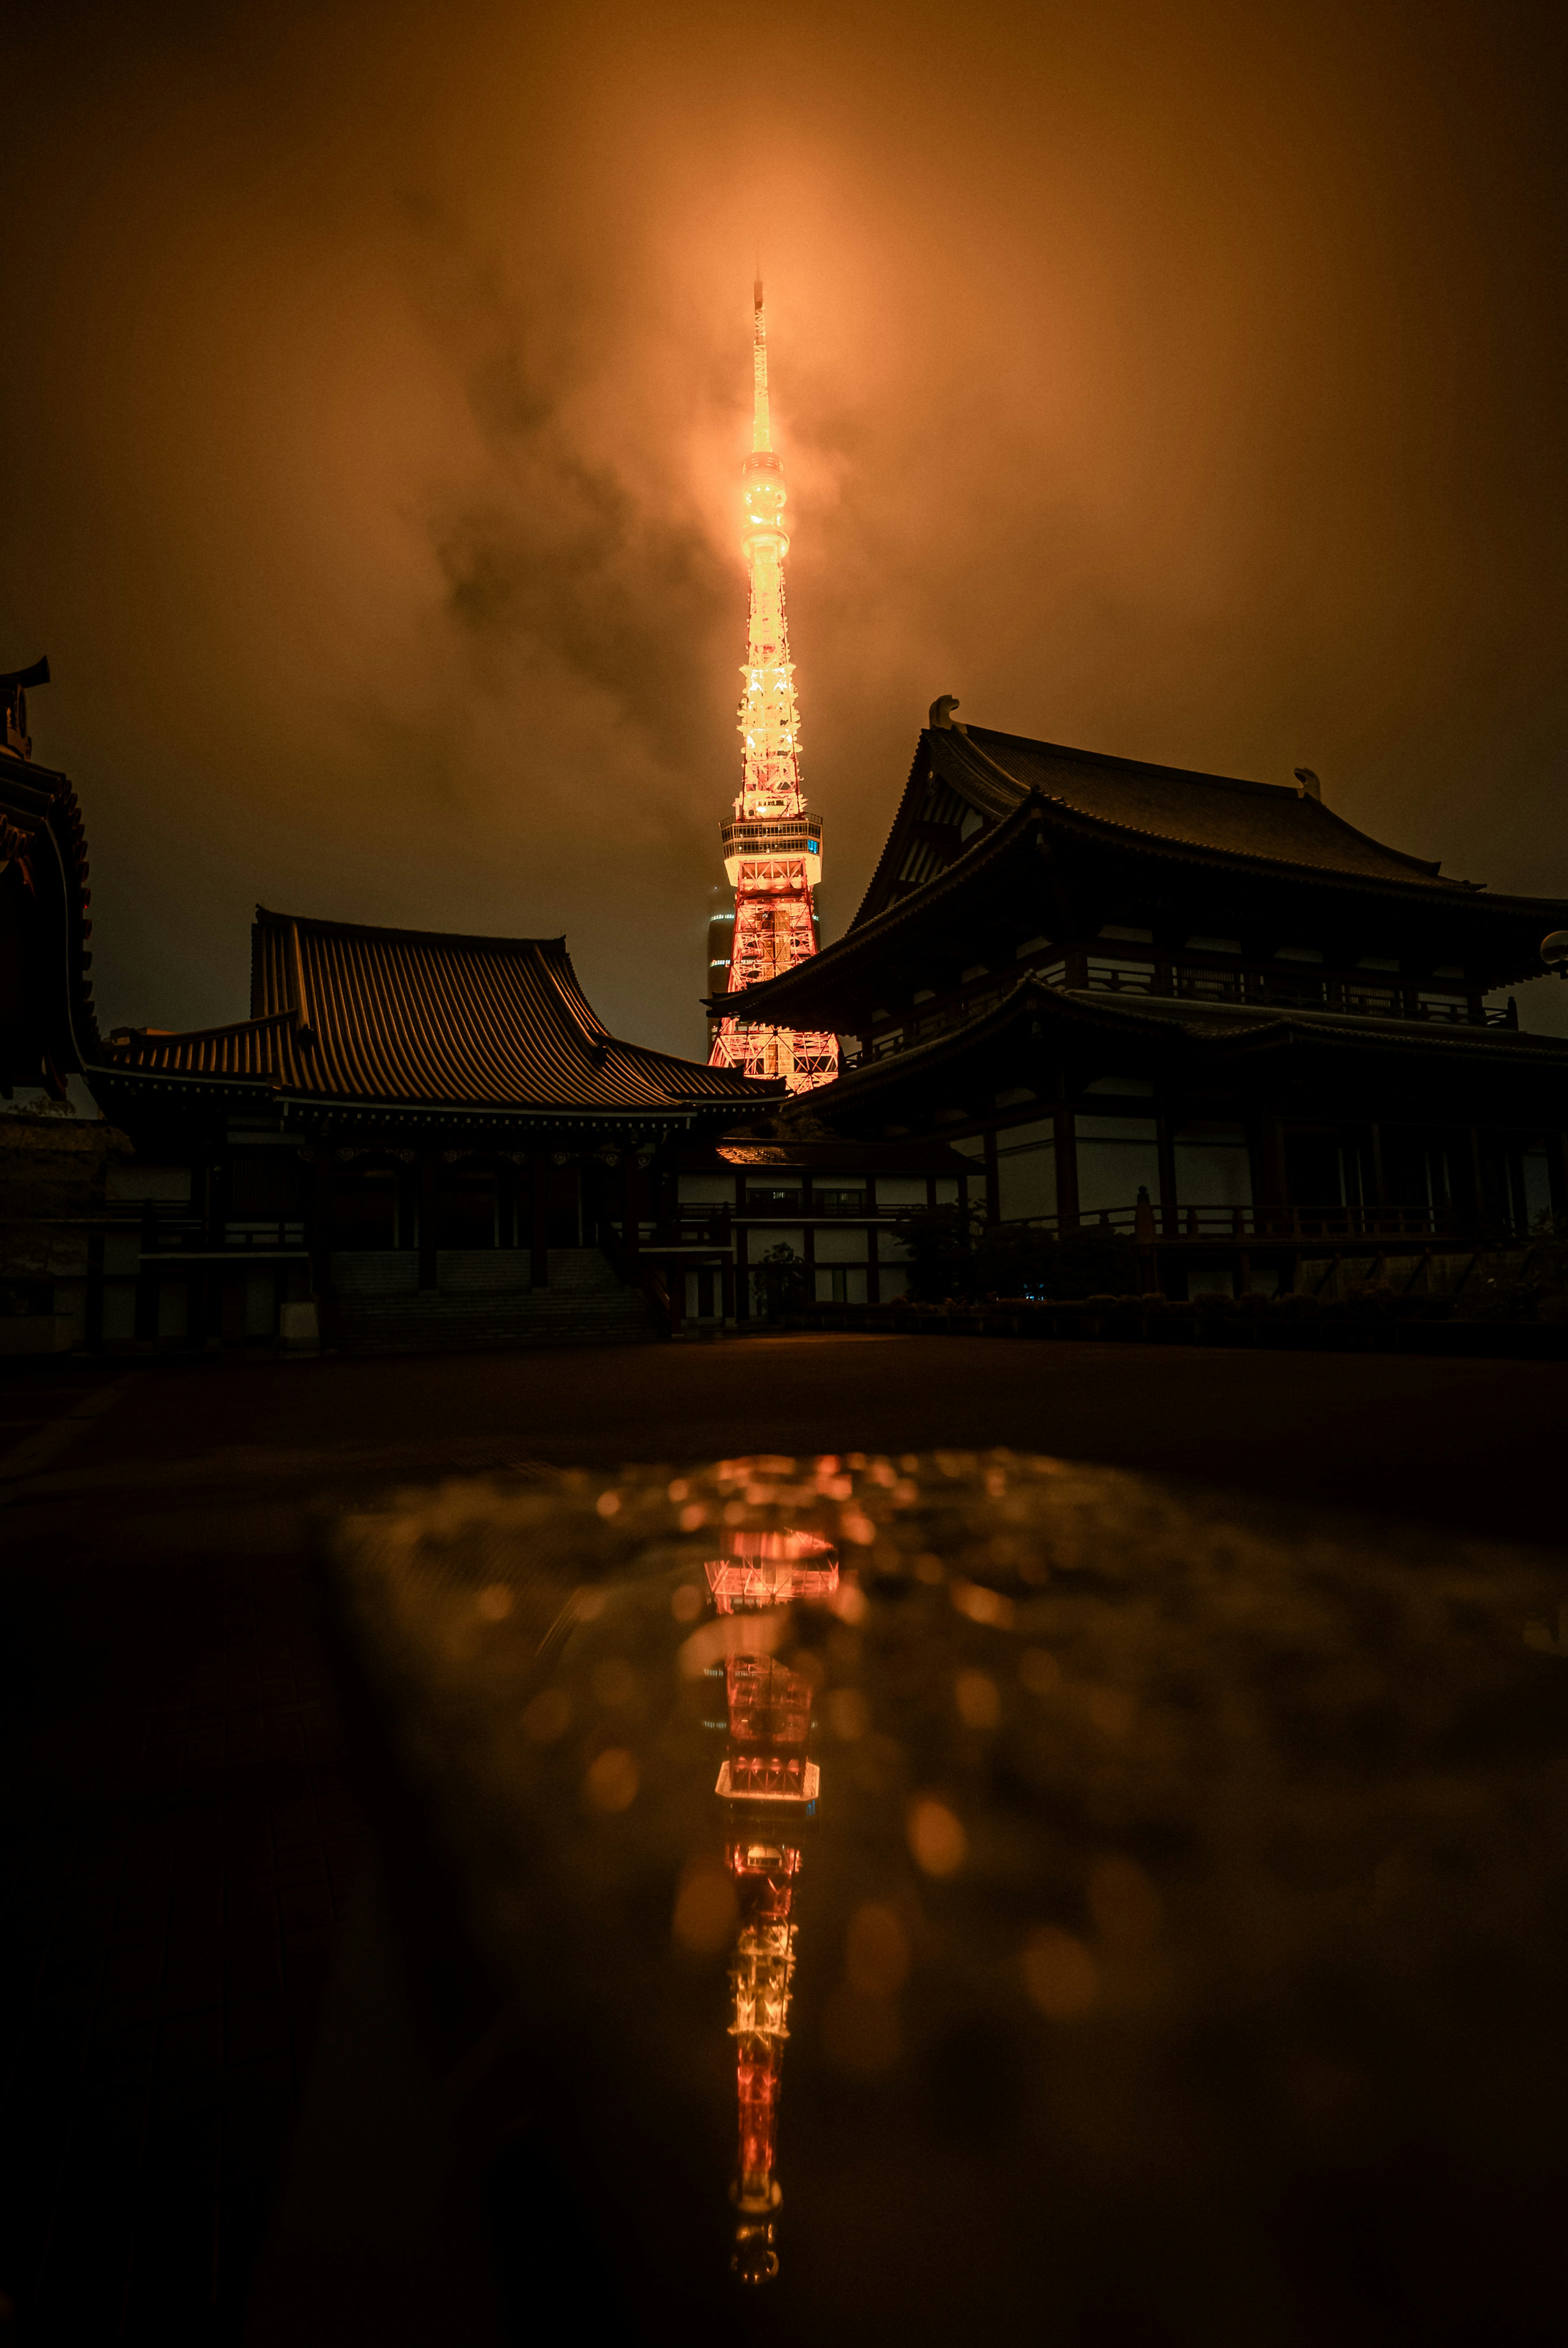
(47,1024)
(979,805)
(424,1018)
(1211,817)
(1272,820)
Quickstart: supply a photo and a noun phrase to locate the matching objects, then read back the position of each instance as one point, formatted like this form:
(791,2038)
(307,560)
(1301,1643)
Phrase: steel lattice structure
(772,846)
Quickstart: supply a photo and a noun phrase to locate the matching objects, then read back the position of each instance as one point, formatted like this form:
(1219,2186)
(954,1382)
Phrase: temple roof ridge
(1297,815)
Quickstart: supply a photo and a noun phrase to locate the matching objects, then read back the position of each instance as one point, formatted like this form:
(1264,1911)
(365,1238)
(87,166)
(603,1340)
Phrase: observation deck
(773,839)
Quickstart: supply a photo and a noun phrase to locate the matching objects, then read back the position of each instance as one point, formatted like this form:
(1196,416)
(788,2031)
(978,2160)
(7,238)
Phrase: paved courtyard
(180,1828)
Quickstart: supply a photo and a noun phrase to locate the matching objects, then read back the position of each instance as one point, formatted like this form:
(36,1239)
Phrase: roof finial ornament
(941,719)
(1310,788)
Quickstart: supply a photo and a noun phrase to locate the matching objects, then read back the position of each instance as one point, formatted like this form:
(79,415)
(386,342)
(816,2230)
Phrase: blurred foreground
(184,1832)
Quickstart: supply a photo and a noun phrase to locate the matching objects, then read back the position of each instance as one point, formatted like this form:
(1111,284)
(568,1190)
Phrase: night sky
(1185,382)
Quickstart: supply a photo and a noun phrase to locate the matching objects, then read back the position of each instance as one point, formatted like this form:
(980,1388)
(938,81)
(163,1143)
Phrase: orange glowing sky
(1182,381)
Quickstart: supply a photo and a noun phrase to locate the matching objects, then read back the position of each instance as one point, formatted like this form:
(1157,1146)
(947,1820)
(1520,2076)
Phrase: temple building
(1081,990)
(1205,1012)
(415,1138)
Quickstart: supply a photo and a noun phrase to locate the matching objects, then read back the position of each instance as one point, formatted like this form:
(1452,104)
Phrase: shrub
(778,1280)
(941,1242)
(1019,1261)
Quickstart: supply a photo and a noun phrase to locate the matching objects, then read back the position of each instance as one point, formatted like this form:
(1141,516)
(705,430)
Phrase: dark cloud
(1182,381)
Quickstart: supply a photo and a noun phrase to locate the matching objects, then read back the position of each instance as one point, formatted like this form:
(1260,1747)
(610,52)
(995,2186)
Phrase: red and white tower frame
(772,847)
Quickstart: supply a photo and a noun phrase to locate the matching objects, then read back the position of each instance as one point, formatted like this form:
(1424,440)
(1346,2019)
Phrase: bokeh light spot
(877,1959)
(978,1700)
(936,1837)
(549,1716)
(1059,1974)
(610,1783)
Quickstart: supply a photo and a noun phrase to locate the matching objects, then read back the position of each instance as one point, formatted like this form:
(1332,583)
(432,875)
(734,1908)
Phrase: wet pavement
(182,1830)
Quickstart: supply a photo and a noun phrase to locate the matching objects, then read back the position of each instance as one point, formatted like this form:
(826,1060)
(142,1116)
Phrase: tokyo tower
(772,847)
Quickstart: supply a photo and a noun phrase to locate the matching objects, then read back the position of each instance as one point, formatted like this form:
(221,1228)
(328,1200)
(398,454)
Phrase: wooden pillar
(1477,1185)
(539,1221)
(319,1236)
(505,1203)
(1066,1167)
(148,1279)
(1166,1144)
(211,1286)
(92,1335)
(428,1165)
(631,1236)
(992,1180)
(1557,1173)
(727,1283)
(1270,1173)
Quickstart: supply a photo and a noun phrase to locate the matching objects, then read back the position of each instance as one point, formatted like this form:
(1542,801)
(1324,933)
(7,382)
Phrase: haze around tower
(1185,383)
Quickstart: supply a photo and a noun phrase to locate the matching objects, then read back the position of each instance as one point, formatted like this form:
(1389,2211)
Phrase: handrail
(1261,985)
(1266,1222)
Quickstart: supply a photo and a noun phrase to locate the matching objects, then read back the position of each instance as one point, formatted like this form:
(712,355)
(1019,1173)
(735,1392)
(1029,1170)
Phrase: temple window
(1213,1165)
(901,1190)
(1026,1172)
(1117,976)
(1117,1157)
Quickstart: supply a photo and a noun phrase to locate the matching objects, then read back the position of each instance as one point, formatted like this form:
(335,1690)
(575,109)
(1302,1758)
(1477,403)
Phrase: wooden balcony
(1258,986)
(1276,1225)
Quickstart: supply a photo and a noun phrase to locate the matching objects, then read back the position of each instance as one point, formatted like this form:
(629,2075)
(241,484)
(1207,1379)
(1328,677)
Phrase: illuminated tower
(772,848)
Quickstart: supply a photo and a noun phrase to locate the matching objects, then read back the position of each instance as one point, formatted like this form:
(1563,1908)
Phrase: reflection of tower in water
(768,1785)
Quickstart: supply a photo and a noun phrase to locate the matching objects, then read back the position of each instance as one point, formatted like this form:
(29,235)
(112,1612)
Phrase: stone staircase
(585,1303)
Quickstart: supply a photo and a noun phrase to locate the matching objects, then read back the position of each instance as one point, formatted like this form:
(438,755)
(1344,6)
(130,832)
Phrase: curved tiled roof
(1014,788)
(1278,823)
(424,1018)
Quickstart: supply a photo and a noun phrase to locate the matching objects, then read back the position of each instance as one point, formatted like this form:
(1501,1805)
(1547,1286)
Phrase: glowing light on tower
(773,846)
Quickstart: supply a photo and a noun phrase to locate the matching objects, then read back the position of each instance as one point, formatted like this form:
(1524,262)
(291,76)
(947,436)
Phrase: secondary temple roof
(1035,1020)
(420,1018)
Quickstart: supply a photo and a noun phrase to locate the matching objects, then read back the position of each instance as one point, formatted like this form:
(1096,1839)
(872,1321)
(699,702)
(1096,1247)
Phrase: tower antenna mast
(773,845)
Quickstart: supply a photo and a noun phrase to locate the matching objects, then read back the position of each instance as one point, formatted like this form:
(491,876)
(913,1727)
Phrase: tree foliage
(953,1255)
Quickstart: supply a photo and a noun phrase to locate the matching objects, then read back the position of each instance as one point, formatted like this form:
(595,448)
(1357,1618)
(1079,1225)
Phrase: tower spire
(760,435)
(773,848)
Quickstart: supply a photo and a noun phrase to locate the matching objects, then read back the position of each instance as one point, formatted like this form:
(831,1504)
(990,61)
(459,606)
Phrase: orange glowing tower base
(773,846)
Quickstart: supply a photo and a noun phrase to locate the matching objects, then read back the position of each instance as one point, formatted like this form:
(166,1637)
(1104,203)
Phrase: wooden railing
(1150,1225)
(1245,983)
(167,1229)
